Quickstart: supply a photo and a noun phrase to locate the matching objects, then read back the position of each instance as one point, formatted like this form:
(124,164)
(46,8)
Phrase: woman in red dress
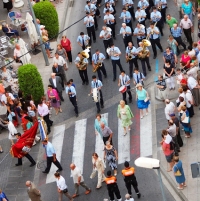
(66,44)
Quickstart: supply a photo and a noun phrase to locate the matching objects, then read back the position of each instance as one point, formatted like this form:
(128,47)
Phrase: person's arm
(116,154)
(54,157)
(110,137)
(171,72)
(37,192)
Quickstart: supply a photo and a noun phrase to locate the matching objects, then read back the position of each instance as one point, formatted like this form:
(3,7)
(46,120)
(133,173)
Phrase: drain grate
(71,3)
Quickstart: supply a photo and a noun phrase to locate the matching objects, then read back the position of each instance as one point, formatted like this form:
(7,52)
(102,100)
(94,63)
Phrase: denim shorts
(169,158)
(47,45)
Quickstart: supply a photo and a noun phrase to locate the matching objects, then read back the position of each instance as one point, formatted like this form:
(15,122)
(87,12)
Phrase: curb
(155,148)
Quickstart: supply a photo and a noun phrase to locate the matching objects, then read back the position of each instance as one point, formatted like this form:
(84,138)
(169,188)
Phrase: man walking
(71,91)
(130,179)
(51,157)
(188,29)
(33,193)
(62,187)
(78,180)
(162,86)
(56,83)
(106,133)
(112,187)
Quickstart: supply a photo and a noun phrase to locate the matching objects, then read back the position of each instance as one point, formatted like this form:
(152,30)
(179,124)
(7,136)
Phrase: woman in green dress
(124,113)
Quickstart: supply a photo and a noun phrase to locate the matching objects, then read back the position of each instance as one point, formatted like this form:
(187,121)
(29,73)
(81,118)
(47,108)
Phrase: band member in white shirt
(144,5)
(106,35)
(82,63)
(131,57)
(126,17)
(89,22)
(140,15)
(157,18)
(109,7)
(124,80)
(161,6)
(109,20)
(91,8)
(126,34)
(97,59)
(115,53)
(139,31)
(130,5)
(97,84)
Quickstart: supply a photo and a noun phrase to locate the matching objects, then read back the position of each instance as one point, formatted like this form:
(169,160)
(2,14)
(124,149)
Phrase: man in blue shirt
(97,84)
(98,58)
(71,91)
(126,34)
(51,157)
(126,17)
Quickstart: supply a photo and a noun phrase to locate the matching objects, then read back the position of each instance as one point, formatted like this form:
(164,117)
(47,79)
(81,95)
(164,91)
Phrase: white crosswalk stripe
(123,146)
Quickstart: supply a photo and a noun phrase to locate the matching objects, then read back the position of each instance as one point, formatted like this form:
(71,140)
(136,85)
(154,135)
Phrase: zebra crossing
(80,131)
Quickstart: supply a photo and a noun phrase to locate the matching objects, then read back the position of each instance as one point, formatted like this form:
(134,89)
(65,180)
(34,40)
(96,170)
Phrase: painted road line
(146,135)
(99,145)
(57,142)
(79,143)
(123,144)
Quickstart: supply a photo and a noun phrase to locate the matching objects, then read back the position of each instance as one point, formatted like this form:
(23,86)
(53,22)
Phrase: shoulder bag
(177,173)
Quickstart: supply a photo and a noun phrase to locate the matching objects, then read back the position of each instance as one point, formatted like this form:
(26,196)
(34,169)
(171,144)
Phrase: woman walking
(61,51)
(98,165)
(110,154)
(142,98)
(66,44)
(173,44)
(125,114)
(54,98)
(179,173)
(97,124)
(169,74)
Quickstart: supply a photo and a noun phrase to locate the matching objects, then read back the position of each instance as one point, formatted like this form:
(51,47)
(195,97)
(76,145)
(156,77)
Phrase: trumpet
(107,32)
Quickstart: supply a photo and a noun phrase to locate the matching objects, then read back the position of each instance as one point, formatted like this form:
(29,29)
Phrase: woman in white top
(11,130)
(98,165)
(62,187)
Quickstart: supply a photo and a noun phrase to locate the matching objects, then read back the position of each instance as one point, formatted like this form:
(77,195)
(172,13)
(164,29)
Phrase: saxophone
(129,57)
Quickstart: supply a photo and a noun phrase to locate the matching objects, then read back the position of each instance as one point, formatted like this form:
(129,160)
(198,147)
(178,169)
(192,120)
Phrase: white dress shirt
(105,34)
(76,173)
(108,19)
(191,82)
(169,109)
(54,82)
(188,97)
(124,79)
(60,61)
(43,110)
(61,183)
(140,14)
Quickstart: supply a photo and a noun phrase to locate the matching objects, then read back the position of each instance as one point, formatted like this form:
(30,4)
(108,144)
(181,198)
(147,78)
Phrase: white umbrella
(26,58)
(31,29)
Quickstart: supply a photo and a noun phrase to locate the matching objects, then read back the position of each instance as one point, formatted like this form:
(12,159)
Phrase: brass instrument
(111,53)
(144,53)
(152,30)
(108,29)
(97,66)
(129,57)
(84,54)
(127,6)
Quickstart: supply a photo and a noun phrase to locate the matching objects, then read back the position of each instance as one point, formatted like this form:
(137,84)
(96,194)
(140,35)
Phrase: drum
(95,95)
(122,89)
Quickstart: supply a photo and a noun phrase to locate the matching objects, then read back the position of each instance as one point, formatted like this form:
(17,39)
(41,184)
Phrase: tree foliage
(48,17)
(30,81)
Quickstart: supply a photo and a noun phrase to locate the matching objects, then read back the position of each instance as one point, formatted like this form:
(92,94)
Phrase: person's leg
(111,194)
(128,186)
(100,174)
(82,77)
(60,195)
(67,194)
(158,44)
(69,55)
(114,70)
(131,68)
(76,189)
(84,186)
(143,67)
(101,99)
(124,97)
(86,76)
(103,70)
(49,161)
(99,73)
(153,47)
(29,157)
(117,192)
(58,165)
(129,93)
(119,64)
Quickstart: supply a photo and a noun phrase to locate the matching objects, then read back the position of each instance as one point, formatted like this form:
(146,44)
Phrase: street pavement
(67,135)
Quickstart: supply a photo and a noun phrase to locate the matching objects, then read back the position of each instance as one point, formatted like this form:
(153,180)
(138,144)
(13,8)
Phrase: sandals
(179,188)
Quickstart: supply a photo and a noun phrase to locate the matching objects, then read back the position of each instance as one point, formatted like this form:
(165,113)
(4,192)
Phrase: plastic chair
(14,15)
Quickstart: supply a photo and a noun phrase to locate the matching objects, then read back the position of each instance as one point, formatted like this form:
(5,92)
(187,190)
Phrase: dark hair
(94,77)
(126,164)
(82,33)
(164,132)
(50,86)
(123,8)
(95,154)
(87,13)
(57,174)
(107,11)
(71,80)
(6,119)
(97,50)
(178,69)
(190,47)
(40,102)
(154,8)
(138,7)
(68,83)
(181,99)
(184,88)
(152,23)
(45,140)
(123,71)
(28,118)
(108,173)
(98,115)
(18,134)
(168,61)
(136,69)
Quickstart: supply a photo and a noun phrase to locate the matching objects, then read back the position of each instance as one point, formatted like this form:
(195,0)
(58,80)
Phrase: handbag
(146,99)
(186,120)
(177,173)
(93,174)
(54,100)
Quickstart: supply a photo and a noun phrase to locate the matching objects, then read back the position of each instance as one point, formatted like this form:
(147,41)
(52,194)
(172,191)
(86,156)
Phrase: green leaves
(30,81)
(48,17)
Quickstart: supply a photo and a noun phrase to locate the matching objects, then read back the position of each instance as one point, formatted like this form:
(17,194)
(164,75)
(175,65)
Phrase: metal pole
(161,185)
(38,31)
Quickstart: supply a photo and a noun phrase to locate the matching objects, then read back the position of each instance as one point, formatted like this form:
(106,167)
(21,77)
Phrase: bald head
(123,25)
(53,75)
(72,166)
(102,125)
(55,64)
(28,183)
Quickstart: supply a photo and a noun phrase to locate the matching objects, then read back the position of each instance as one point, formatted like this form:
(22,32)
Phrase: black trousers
(91,33)
(112,191)
(60,95)
(155,42)
(105,139)
(50,161)
(139,40)
(83,75)
(130,25)
(48,122)
(160,26)
(128,186)
(129,93)
(163,14)
(176,145)
(188,35)
(69,55)
(145,62)
(101,70)
(147,11)
(114,64)
(29,157)
(131,10)
(100,102)
(127,39)
(180,42)
(131,62)
(74,103)
(112,26)
(107,44)
(95,22)
(191,111)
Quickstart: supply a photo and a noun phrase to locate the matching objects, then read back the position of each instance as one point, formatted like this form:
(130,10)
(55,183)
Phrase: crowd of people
(150,18)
